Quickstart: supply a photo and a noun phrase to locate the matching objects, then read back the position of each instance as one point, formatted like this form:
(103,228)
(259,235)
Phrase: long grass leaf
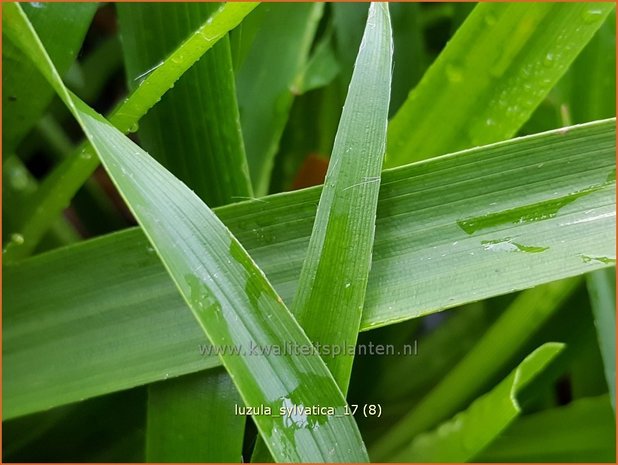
(469,432)
(194,131)
(61,185)
(25,94)
(265,81)
(602,289)
(331,290)
(582,431)
(332,284)
(592,89)
(550,185)
(485,93)
(229,295)
(191,419)
(493,351)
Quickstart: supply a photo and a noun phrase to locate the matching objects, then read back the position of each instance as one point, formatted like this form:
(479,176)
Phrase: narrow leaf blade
(331,291)
(470,431)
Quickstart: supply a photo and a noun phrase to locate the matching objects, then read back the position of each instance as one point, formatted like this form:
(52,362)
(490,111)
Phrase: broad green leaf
(61,185)
(143,330)
(228,294)
(25,94)
(467,379)
(602,289)
(476,93)
(265,79)
(191,419)
(583,431)
(331,291)
(469,432)
(205,144)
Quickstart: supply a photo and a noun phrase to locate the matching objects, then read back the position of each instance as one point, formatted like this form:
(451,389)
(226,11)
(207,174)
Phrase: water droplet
(134,127)
(17,239)
(549,60)
(86,155)
(507,245)
(454,73)
(37,4)
(490,19)
(604,260)
(347,285)
(178,59)
(592,15)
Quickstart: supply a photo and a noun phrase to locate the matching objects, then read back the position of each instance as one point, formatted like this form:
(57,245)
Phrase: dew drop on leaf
(592,15)
(17,239)
(490,19)
(454,74)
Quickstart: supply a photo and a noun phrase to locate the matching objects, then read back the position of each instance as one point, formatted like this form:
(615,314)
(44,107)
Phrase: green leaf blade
(582,431)
(62,28)
(602,289)
(191,419)
(334,276)
(265,98)
(470,431)
(194,131)
(232,301)
(485,93)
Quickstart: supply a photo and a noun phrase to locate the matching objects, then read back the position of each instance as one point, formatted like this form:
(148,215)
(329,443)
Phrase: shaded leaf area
(108,428)
(229,296)
(494,351)
(264,97)
(67,178)
(25,94)
(602,289)
(468,432)
(121,305)
(192,419)
(582,431)
(194,131)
